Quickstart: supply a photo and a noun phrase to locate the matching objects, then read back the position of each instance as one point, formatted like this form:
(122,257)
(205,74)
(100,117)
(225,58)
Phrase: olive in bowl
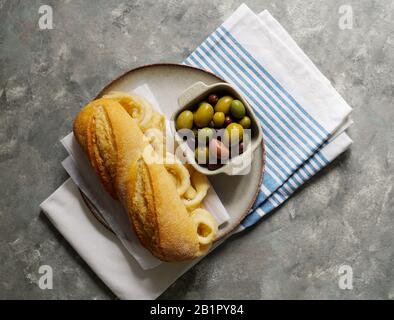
(224,126)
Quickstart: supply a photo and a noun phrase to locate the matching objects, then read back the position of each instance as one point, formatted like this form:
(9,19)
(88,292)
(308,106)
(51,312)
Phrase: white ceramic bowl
(199,92)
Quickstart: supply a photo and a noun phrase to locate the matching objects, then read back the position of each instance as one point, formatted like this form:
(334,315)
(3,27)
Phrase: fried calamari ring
(156,139)
(190,193)
(206,228)
(179,172)
(201,185)
(137,107)
(154,119)
(157,121)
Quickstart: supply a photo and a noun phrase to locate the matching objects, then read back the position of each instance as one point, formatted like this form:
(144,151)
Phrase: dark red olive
(213,99)
(227,121)
(241,148)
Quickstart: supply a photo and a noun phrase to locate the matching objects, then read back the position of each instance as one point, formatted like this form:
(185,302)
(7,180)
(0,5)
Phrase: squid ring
(143,107)
(206,226)
(176,168)
(156,139)
(201,185)
(190,193)
(136,106)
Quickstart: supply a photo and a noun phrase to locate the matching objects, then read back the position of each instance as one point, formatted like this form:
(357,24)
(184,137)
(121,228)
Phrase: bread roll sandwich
(166,215)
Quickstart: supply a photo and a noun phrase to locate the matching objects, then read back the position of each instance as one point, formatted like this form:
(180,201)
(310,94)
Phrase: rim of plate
(91,206)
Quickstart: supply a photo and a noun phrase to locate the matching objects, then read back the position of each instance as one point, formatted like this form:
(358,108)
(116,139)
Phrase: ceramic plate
(167,82)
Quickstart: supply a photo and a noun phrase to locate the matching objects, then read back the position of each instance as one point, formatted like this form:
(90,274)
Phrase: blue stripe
(251,219)
(268,155)
(259,199)
(259,85)
(280,146)
(267,206)
(303,151)
(265,203)
(216,43)
(192,61)
(189,62)
(264,71)
(269,182)
(213,69)
(247,84)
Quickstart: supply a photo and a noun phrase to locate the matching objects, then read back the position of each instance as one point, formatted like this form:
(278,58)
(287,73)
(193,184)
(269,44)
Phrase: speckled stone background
(343,216)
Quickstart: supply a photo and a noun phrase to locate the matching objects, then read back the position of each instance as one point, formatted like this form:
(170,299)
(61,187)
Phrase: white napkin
(283,37)
(104,252)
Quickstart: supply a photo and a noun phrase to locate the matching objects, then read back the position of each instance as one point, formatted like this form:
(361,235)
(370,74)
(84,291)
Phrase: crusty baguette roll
(115,146)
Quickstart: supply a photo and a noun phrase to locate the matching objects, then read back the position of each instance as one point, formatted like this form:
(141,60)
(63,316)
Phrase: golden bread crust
(114,144)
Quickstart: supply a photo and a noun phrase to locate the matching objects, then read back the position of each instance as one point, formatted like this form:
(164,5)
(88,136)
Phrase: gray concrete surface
(343,216)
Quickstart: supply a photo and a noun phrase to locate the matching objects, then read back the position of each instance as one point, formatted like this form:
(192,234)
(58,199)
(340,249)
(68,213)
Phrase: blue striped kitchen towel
(302,116)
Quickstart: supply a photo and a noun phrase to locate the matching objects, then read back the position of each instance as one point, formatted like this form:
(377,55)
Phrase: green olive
(184,120)
(205,135)
(234,133)
(203,115)
(237,109)
(245,122)
(218,119)
(202,155)
(224,104)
